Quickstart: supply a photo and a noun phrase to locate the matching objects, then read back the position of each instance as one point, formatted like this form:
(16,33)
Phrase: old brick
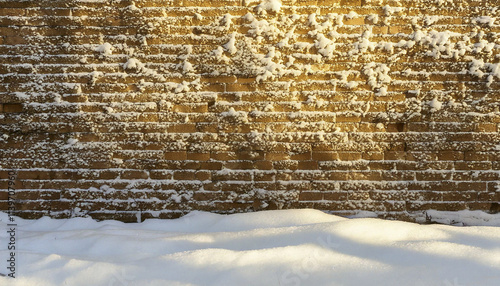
(307,165)
(184,175)
(223,156)
(264,165)
(450,155)
(310,196)
(325,156)
(198,156)
(238,87)
(301,156)
(181,155)
(264,176)
(349,156)
(486,127)
(239,165)
(12,107)
(211,165)
(182,128)
(277,156)
(355,21)
(476,156)
(203,175)
(373,156)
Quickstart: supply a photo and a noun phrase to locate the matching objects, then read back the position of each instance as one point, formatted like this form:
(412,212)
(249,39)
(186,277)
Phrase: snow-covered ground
(287,247)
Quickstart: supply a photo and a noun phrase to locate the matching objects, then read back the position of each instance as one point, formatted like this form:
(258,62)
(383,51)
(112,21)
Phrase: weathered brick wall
(124,109)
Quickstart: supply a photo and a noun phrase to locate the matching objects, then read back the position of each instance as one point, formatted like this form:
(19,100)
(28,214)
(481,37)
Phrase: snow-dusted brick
(113,108)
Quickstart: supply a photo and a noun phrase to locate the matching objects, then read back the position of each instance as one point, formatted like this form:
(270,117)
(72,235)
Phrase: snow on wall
(133,109)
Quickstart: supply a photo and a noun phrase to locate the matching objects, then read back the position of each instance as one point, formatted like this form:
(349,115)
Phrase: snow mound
(270,219)
(464,218)
(286,247)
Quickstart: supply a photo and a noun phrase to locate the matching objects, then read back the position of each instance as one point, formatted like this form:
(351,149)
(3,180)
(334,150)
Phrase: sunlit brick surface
(136,109)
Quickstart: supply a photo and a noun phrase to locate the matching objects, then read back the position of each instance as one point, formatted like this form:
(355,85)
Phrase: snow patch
(105,49)
(231,45)
(463,218)
(269,6)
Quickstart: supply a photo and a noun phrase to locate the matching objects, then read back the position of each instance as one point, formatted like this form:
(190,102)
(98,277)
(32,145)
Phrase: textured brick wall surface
(135,109)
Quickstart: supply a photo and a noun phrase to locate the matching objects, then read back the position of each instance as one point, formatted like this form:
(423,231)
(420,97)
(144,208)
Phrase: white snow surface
(285,247)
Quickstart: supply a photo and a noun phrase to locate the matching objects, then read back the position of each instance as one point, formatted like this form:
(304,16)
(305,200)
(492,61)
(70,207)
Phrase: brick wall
(135,109)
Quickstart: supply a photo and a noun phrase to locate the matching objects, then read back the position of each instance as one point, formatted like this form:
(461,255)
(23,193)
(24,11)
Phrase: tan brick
(220,79)
(264,176)
(301,156)
(199,108)
(264,165)
(239,165)
(307,165)
(373,156)
(349,2)
(470,165)
(277,156)
(250,155)
(12,107)
(214,87)
(310,196)
(349,156)
(14,40)
(246,80)
(395,155)
(198,156)
(12,12)
(184,175)
(450,155)
(160,175)
(211,165)
(355,21)
(182,128)
(203,175)
(380,30)
(362,176)
(476,156)
(325,156)
(223,156)
(181,155)
(347,118)
(238,87)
